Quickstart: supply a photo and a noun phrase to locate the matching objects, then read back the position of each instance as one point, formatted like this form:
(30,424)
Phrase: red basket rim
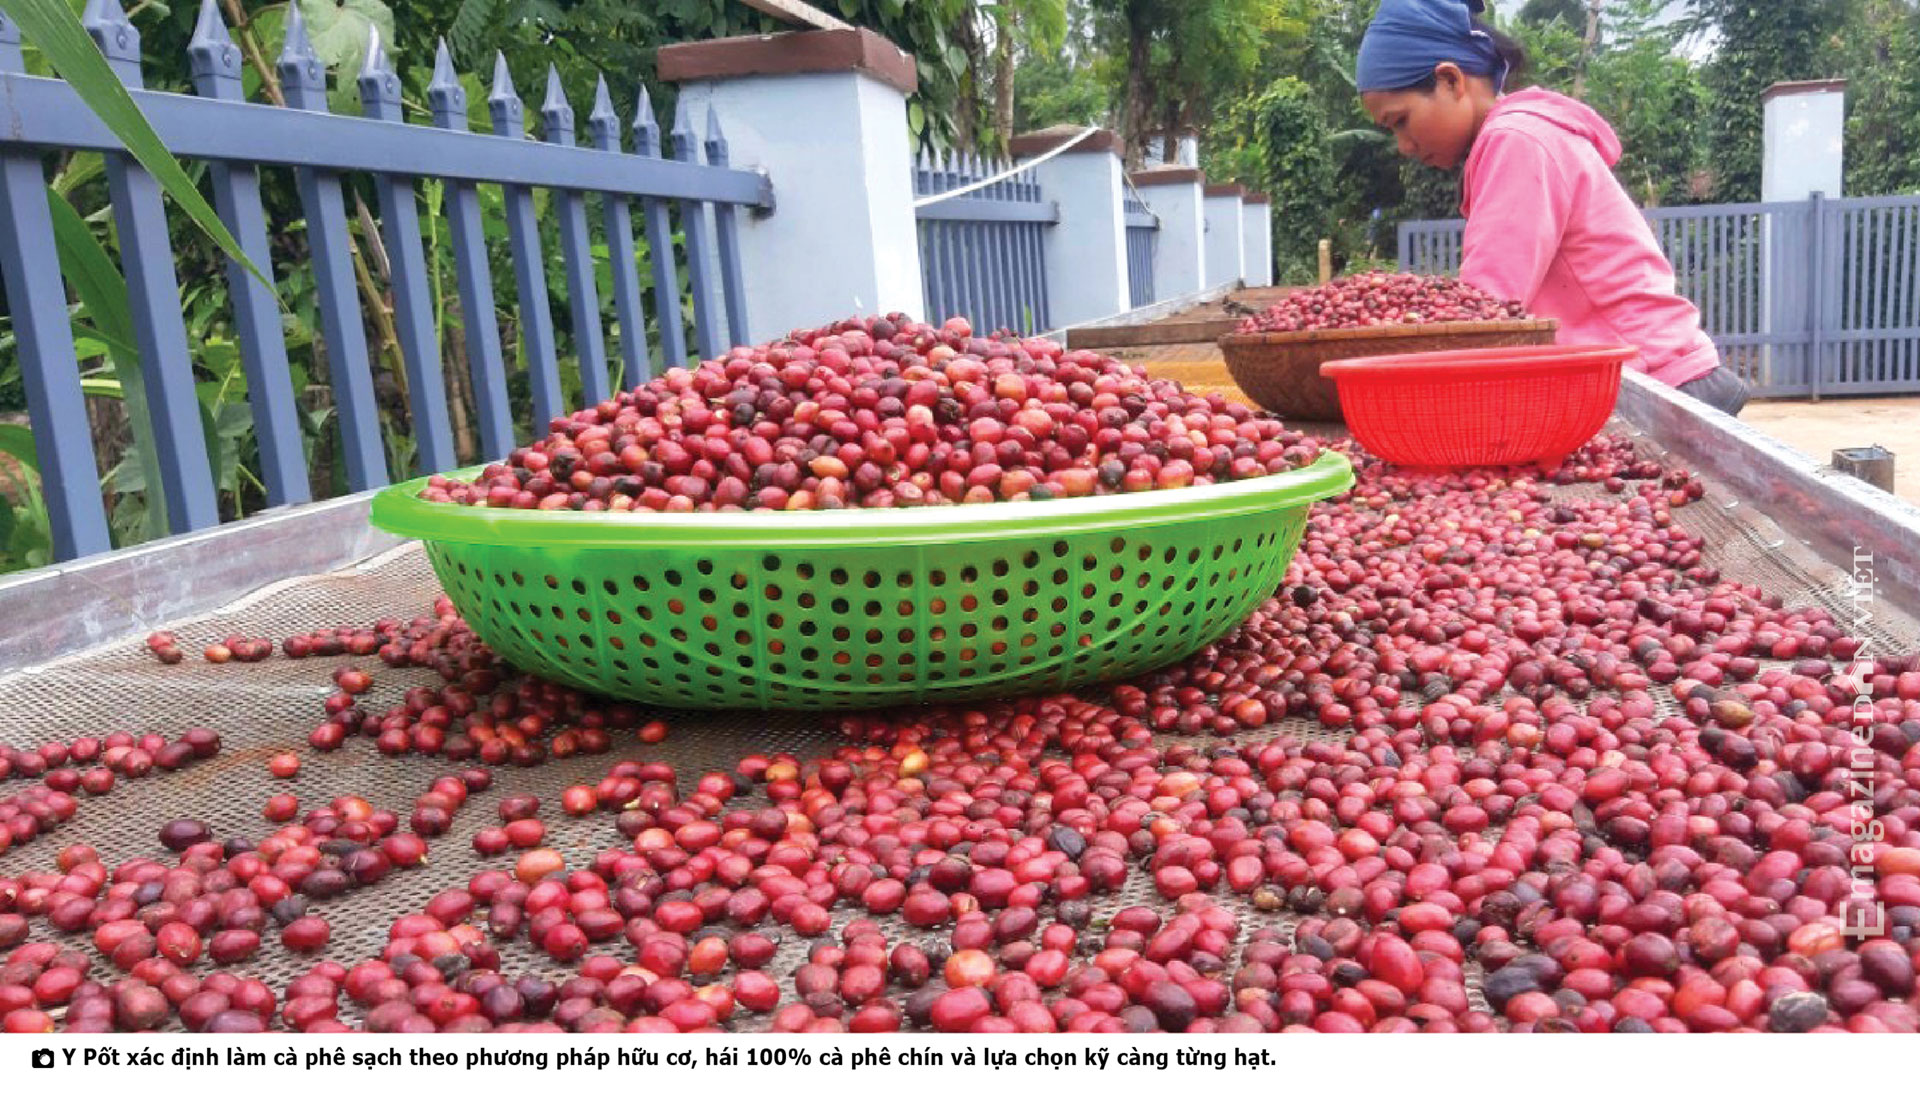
(1438,330)
(1454,363)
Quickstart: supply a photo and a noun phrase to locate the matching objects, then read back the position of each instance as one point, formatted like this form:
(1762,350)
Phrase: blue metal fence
(982,253)
(1143,228)
(241,141)
(1812,298)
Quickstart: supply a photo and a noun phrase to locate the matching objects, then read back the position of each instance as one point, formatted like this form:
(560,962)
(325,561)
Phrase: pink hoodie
(1550,227)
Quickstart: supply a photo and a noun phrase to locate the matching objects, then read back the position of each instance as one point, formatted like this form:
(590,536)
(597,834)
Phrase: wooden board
(1142,335)
(793,11)
(1441,333)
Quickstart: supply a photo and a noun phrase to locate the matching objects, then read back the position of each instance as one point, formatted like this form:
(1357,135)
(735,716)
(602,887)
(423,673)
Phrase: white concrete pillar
(1086,252)
(1256,255)
(824,113)
(1803,152)
(1180,250)
(1225,234)
(1803,141)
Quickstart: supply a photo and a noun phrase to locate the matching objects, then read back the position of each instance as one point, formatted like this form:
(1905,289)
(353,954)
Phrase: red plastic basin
(1485,406)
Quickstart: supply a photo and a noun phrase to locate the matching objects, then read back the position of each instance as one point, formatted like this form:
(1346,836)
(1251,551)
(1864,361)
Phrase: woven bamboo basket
(1280,370)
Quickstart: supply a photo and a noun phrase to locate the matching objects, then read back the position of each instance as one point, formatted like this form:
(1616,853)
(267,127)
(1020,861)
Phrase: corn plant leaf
(83,168)
(16,441)
(96,280)
(103,294)
(87,344)
(26,534)
(55,30)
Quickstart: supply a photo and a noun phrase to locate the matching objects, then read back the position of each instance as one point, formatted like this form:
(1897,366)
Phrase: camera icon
(43,1058)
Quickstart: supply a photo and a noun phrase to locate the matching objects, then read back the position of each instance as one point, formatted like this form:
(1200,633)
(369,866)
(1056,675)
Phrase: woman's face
(1434,127)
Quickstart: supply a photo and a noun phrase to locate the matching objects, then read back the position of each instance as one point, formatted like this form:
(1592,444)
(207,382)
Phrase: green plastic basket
(863,608)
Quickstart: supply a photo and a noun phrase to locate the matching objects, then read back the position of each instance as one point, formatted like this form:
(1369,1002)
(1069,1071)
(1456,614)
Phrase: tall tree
(1020,28)
(1128,29)
(1064,84)
(1185,57)
(1656,100)
(1546,11)
(1588,42)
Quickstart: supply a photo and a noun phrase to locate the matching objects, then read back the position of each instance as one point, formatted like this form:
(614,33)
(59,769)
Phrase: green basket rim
(399,510)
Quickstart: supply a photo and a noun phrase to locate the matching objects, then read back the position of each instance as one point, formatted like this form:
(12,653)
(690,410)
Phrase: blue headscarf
(1409,37)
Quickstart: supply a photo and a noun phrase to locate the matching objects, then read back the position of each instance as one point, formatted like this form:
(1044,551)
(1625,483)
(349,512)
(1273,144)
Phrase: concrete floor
(1817,429)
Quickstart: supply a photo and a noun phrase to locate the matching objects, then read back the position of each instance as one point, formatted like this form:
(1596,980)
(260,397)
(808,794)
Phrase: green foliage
(1298,175)
(54,29)
(1658,102)
(620,39)
(581,38)
(1553,49)
(105,319)
(1172,65)
(1051,88)
(1064,84)
(1760,44)
(1538,12)
(26,533)
(1883,99)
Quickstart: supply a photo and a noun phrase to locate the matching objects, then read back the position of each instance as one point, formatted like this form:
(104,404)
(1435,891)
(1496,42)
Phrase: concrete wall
(1179,254)
(1225,239)
(1086,253)
(1804,142)
(1256,253)
(842,238)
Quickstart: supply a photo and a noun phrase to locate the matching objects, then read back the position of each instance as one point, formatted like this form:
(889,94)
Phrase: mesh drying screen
(269,706)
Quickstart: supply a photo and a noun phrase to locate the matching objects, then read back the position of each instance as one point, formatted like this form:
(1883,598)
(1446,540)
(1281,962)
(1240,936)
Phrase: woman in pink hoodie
(1548,225)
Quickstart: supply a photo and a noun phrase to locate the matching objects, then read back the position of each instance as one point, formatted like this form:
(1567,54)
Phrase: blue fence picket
(43,335)
(983,253)
(1026,315)
(666,273)
(603,129)
(977,255)
(694,225)
(980,253)
(473,273)
(924,236)
(412,293)
(1878,323)
(986,238)
(256,315)
(238,140)
(1032,304)
(1000,273)
(303,80)
(529,269)
(1909,316)
(967,251)
(959,292)
(1805,298)
(1141,229)
(153,292)
(583,294)
(727,238)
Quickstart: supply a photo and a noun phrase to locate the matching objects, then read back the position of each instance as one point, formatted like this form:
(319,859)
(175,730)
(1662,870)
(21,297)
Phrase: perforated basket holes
(1478,421)
(864,627)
